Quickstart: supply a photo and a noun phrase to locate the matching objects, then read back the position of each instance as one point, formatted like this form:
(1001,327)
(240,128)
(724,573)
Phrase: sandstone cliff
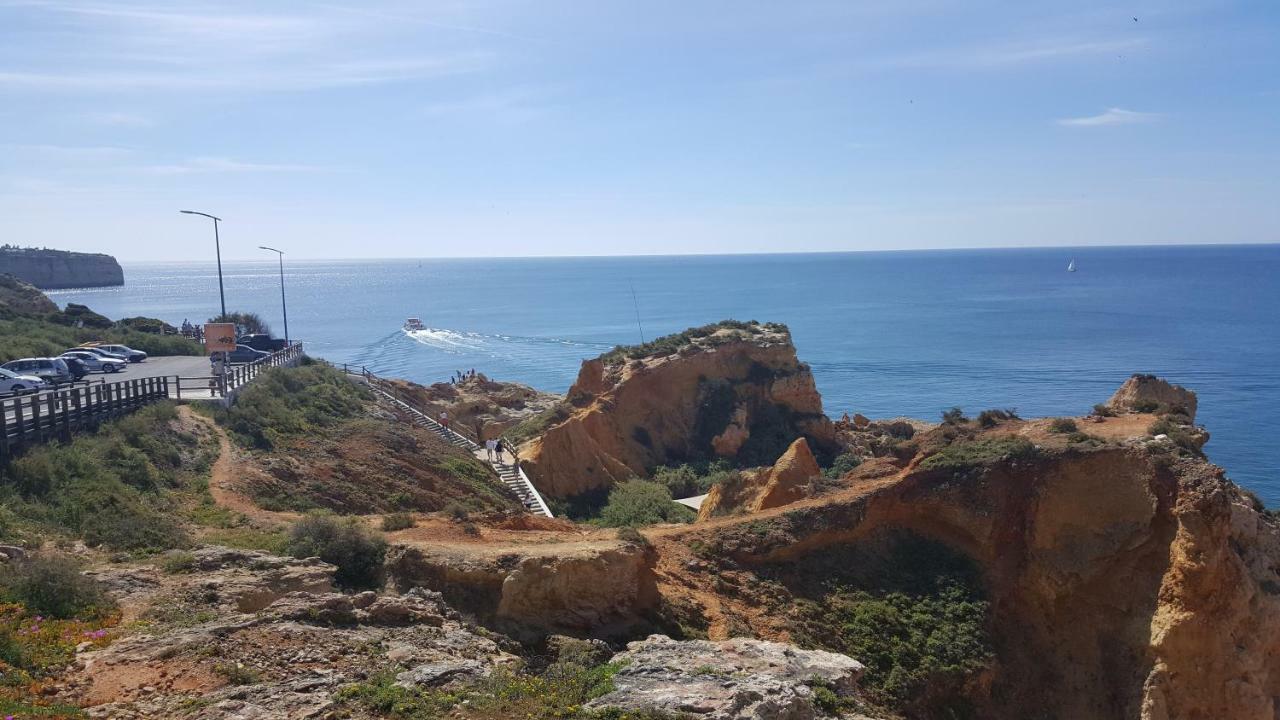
(1126,576)
(752,491)
(733,390)
(54,269)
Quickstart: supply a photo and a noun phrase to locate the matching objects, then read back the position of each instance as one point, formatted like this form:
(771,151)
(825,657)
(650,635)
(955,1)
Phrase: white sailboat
(1071,267)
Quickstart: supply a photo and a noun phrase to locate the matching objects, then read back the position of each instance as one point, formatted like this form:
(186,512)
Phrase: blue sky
(413,129)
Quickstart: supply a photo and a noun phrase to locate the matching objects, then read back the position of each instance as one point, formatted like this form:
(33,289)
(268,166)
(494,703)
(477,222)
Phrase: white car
(12,382)
(94,362)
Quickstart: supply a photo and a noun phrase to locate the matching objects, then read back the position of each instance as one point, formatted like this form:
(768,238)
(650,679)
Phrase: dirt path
(222,479)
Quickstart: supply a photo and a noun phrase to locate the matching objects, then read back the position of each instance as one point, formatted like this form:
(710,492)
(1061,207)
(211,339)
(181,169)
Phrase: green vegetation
(246,322)
(51,585)
(282,404)
(1177,433)
(964,455)
(238,673)
(1063,426)
(1146,406)
(692,478)
(397,521)
(993,417)
(532,427)
(274,541)
(345,542)
(954,416)
(672,344)
(22,337)
(1103,410)
(843,464)
(910,609)
(559,692)
(115,487)
(177,562)
(642,502)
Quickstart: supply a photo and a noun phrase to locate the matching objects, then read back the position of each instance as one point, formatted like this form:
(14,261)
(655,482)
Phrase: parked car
(78,369)
(242,354)
(263,342)
(94,362)
(124,351)
(52,370)
(12,382)
(99,352)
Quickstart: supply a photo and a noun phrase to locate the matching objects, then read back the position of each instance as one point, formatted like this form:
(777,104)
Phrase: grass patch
(558,692)
(275,542)
(672,344)
(1062,426)
(52,585)
(116,487)
(284,403)
(397,521)
(532,427)
(968,454)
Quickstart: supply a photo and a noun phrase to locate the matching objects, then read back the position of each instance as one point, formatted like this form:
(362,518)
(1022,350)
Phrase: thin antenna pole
(636,303)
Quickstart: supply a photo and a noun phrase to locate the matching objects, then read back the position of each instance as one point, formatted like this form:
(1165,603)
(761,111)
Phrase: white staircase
(511,474)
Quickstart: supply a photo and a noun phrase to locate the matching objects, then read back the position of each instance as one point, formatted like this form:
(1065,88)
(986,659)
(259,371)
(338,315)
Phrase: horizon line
(764,253)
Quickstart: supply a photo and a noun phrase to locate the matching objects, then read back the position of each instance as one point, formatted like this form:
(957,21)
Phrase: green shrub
(965,455)
(246,322)
(52,585)
(954,416)
(1062,426)
(397,521)
(842,465)
(347,543)
(456,511)
(672,344)
(692,479)
(993,417)
(177,562)
(629,534)
(1177,433)
(640,502)
(290,402)
(1103,410)
(1146,406)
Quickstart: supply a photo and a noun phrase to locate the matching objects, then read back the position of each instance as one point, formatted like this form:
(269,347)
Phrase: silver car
(51,370)
(13,383)
(95,363)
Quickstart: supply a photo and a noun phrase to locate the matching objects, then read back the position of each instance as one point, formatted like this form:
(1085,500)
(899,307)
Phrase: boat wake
(447,340)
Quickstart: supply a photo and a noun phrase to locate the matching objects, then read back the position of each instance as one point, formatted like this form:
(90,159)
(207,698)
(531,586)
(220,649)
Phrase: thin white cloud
(224,165)
(119,119)
(1111,116)
(1004,54)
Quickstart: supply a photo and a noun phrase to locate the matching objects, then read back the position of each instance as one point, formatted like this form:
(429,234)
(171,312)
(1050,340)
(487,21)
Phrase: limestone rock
(1148,390)
(738,679)
(706,397)
(784,483)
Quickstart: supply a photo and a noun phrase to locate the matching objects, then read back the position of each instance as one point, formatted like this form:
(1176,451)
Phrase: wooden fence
(56,415)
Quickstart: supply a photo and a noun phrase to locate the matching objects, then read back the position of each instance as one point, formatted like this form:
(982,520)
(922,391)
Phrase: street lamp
(283,308)
(217,246)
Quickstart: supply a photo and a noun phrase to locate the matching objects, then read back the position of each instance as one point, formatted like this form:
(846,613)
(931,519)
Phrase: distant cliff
(54,269)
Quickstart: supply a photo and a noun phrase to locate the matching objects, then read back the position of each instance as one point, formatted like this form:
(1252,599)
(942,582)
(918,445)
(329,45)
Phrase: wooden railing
(237,375)
(56,415)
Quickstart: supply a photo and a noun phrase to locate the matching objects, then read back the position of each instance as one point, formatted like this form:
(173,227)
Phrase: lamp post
(283,307)
(217,246)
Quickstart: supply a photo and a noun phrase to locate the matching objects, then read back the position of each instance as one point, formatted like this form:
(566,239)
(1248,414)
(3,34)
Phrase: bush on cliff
(348,543)
(111,487)
(288,402)
(972,453)
(674,343)
(22,337)
(692,478)
(641,502)
(1063,426)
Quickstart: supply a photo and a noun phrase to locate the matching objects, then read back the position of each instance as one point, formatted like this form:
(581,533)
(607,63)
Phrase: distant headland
(57,269)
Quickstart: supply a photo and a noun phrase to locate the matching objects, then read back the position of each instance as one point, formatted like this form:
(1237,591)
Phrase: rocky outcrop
(600,590)
(1127,577)
(738,679)
(55,269)
(752,491)
(484,408)
(22,298)
(734,390)
(1148,393)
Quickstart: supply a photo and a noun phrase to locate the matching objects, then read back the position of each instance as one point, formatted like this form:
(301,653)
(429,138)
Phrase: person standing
(491,448)
(444,419)
(499,447)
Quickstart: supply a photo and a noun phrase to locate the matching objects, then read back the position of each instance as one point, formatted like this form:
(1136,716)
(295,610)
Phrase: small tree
(640,502)
(345,542)
(247,323)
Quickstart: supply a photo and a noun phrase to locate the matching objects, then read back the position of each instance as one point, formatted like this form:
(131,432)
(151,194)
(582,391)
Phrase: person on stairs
(444,419)
(491,448)
(500,447)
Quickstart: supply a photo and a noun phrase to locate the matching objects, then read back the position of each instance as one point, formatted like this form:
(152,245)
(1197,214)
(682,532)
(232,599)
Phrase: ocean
(886,333)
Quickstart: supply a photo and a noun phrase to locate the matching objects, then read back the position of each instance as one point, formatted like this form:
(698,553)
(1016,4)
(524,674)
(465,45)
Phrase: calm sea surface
(887,334)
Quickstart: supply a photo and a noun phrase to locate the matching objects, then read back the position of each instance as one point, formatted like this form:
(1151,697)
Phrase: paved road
(181,366)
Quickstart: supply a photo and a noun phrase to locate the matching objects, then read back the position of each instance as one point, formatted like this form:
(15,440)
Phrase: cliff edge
(732,390)
(56,269)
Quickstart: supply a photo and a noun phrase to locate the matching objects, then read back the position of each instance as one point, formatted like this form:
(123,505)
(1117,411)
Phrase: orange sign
(219,337)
